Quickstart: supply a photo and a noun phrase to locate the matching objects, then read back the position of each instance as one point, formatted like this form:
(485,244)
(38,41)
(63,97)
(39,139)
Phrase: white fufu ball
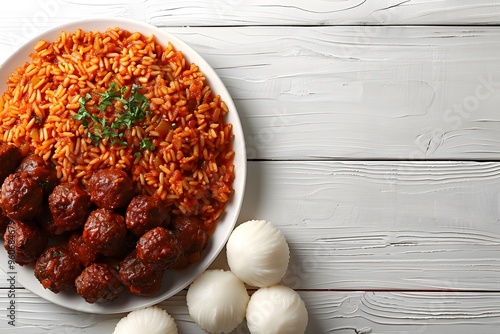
(153,320)
(276,310)
(217,301)
(257,253)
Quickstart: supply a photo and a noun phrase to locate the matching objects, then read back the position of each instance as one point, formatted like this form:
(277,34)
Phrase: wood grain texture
(383,225)
(317,12)
(360,92)
(33,14)
(329,312)
(342,99)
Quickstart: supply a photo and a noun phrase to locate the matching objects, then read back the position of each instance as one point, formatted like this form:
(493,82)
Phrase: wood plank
(329,312)
(32,15)
(317,12)
(348,93)
(381,225)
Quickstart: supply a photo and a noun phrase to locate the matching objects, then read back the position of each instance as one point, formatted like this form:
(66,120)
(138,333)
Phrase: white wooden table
(373,136)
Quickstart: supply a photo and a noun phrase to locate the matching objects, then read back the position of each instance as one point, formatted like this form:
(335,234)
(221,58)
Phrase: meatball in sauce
(41,171)
(145,213)
(158,247)
(138,277)
(111,188)
(57,269)
(104,238)
(10,157)
(83,252)
(98,283)
(21,197)
(24,241)
(70,206)
(105,231)
(4,221)
(191,238)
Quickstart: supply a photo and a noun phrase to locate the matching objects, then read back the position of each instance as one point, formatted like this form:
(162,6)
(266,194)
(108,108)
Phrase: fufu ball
(217,301)
(276,310)
(257,253)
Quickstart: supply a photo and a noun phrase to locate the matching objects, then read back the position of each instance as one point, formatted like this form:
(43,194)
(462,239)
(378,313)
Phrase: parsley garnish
(83,114)
(95,138)
(146,145)
(135,109)
(111,94)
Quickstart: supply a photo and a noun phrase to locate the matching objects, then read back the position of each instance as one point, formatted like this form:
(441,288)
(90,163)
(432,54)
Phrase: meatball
(24,241)
(139,278)
(43,172)
(146,212)
(105,231)
(21,197)
(158,247)
(70,206)
(98,283)
(111,188)
(57,269)
(10,157)
(4,221)
(83,252)
(45,221)
(191,238)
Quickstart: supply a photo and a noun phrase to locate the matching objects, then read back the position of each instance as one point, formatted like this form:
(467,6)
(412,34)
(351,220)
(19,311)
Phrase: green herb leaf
(119,142)
(135,110)
(95,138)
(146,145)
(82,113)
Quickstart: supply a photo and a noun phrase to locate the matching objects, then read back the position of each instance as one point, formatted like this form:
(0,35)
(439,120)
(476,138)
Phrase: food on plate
(105,231)
(83,252)
(110,188)
(191,239)
(57,269)
(10,157)
(138,277)
(114,99)
(146,212)
(4,220)
(46,223)
(276,310)
(158,247)
(151,320)
(257,253)
(21,197)
(106,139)
(70,206)
(98,283)
(24,242)
(217,301)
(41,171)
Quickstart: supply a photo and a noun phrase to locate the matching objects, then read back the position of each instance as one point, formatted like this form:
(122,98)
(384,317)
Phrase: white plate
(174,281)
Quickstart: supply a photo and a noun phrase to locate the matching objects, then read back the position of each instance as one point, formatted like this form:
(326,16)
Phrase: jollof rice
(191,164)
